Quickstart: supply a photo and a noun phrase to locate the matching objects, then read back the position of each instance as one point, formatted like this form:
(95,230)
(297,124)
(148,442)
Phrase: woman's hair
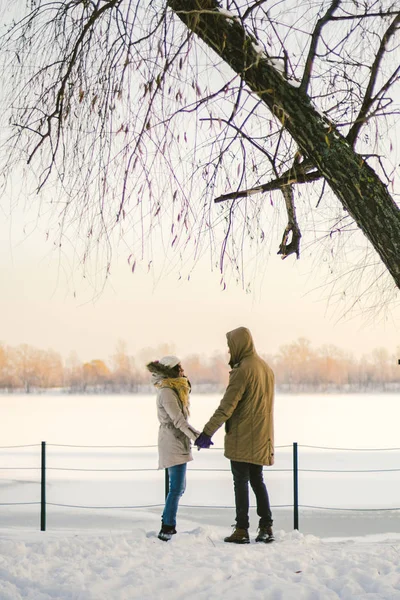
(175,371)
(162,370)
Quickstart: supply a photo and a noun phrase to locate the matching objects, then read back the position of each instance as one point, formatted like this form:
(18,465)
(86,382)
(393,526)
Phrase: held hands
(203,441)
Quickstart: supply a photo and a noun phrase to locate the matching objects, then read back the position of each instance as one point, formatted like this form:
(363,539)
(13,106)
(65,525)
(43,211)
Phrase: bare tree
(179,118)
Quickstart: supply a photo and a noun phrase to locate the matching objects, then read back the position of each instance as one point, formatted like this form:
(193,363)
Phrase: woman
(175,433)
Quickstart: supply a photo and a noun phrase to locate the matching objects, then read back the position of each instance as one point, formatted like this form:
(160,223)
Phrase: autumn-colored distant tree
(332,366)
(196,369)
(51,369)
(35,368)
(294,363)
(27,366)
(95,373)
(6,379)
(73,373)
(123,374)
(381,361)
(217,370)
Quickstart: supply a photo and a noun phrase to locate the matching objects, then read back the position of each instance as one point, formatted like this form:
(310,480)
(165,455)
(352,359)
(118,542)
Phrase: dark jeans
(177,485)
(242,474)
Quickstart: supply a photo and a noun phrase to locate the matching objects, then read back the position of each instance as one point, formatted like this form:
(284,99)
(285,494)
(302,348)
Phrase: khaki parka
(247,408)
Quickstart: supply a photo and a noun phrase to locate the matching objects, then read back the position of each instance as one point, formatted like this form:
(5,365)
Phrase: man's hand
(203,441)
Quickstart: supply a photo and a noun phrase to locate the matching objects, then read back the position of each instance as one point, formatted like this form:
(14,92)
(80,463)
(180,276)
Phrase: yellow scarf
(180,385)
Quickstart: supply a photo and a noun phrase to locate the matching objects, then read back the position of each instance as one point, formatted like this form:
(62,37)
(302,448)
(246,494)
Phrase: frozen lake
(348,420)
(92,485)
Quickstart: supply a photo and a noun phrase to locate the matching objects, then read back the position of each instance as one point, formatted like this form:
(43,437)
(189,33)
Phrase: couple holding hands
(246,409)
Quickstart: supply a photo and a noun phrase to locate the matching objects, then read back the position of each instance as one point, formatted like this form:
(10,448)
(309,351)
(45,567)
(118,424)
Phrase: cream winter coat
(175,433)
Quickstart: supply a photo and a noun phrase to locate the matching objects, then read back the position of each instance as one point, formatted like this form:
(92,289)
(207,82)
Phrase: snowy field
(110,565)
(103,513)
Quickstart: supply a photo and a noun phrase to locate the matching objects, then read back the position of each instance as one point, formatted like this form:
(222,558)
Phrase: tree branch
(314,43)
(293,247)
(368,98)
(292,176)
(381,14)
(355,183)
(57,112)
(251,8)
(392,79)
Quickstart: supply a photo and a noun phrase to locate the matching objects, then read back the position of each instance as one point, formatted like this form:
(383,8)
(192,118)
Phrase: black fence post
(166,483)
(295,488)
(43,490)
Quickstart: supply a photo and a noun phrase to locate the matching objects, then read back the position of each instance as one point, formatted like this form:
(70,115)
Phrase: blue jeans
(177,485)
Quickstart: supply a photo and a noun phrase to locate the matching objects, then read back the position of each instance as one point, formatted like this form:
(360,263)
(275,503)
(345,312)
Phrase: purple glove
(203,441)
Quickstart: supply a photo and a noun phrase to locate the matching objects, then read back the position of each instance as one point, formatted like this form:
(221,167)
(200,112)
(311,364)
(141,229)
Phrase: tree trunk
(353,181)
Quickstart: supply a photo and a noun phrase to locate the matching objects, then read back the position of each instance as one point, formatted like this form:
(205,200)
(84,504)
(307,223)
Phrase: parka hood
(240,343)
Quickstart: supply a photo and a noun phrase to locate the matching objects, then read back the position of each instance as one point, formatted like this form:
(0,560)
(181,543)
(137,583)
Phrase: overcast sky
(48,304)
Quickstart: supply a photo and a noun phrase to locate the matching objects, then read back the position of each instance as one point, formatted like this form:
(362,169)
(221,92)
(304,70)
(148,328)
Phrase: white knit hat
(169,361)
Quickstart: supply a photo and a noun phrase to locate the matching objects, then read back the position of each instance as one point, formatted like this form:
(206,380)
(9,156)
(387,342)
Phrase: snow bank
(195,564)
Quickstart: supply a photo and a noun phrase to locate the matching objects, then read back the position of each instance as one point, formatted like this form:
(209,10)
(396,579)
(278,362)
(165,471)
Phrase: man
(247,411)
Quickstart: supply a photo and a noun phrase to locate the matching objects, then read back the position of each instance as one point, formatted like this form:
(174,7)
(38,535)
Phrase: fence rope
(98,470)
(155,506)
(101,507)
(349,509)
(21,446)
(347,470)
(192,470)
(148,446)
(203,470)
(19,468)
(17,503)
(76,446)
(231,507)
(217,448)
(131,470)
(350,449)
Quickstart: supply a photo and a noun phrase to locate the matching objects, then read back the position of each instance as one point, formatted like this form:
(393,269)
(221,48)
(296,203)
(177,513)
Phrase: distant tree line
(298,368)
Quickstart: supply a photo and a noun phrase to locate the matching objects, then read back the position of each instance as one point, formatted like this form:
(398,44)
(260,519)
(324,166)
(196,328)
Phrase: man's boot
(239,536)
(265,534)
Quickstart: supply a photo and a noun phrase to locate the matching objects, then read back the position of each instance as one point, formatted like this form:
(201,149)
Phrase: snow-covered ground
(80,564)
(99,553)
